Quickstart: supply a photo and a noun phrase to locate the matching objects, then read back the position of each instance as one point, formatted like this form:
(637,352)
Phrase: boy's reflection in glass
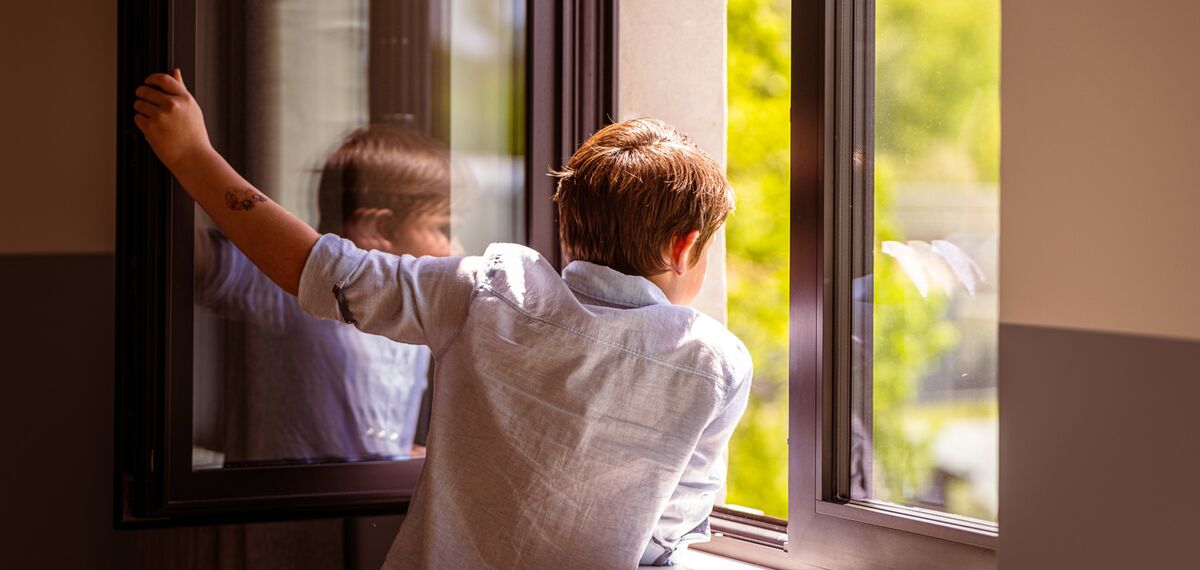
(321,390)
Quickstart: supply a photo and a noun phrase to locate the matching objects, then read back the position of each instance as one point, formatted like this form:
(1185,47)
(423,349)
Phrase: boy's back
(578,421)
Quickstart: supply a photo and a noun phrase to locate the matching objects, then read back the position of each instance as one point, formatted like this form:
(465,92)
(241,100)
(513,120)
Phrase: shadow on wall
(56,405)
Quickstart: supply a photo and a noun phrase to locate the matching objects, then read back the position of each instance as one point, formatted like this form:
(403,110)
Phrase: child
(321,390)
(579,421)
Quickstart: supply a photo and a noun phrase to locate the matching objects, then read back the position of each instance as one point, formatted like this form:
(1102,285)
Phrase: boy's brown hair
(384,166)
(632,187)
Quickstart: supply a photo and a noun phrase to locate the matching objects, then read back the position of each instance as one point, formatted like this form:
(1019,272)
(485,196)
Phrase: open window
(234,406)
(864,283)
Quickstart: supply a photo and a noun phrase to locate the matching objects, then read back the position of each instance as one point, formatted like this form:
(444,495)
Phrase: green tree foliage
(759,90)
(937,117)
(937,88)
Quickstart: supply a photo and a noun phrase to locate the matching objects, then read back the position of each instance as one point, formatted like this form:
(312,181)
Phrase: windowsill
(696,560)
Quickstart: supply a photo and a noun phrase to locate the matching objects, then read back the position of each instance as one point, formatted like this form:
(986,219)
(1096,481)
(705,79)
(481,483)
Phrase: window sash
(570,91)
(832,137)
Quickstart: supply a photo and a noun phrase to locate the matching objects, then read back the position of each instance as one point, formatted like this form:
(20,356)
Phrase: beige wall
(672,67)
(1100,198)
(57,131)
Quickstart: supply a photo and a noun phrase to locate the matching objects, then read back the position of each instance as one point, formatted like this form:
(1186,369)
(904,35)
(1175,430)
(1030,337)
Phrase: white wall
(672,67)
(1100,203)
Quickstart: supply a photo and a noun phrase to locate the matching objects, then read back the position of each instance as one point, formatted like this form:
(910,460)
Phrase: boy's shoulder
(529,282)
(508,265)
(512,255)
(729,354)
(518,274)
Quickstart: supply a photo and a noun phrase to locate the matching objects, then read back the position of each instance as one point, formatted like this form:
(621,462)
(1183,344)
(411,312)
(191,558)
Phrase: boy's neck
(673,286)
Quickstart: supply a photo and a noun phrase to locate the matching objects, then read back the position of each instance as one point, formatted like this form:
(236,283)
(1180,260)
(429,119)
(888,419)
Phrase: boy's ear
(682,251)
(370,228)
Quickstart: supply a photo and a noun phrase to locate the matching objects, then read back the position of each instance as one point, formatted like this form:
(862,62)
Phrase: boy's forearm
(276,241)
(270,236)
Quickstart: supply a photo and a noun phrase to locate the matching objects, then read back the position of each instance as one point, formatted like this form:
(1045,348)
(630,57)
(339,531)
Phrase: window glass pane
(393,124)
(928,430)
(759,88)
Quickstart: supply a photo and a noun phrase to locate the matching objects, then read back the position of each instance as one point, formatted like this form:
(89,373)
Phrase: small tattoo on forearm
(243,198)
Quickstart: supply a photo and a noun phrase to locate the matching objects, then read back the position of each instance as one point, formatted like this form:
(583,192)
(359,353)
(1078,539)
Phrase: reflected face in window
(425,234)
(385,123)
(417,234)
(390,189)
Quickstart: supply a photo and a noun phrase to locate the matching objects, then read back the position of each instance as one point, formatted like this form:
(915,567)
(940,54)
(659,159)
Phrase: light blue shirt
(578,421)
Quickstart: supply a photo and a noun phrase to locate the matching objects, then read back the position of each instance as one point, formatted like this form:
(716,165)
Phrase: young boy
(578,421)
(316,389)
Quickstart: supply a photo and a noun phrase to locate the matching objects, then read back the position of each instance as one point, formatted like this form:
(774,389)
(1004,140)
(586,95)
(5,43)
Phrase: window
(890,264)
(927,305)
(225,413)
(759,80)
(360,118)
(839,230)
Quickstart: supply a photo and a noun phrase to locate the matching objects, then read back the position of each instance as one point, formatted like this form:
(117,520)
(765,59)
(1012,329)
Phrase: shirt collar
(611,286)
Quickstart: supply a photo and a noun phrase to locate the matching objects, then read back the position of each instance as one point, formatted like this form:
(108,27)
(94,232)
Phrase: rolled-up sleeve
(415,300)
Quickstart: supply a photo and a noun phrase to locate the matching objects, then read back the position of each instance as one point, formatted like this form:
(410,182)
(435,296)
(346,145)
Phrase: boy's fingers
(152,95)
(140,121)
(166,83)
(145,108)
(179,77)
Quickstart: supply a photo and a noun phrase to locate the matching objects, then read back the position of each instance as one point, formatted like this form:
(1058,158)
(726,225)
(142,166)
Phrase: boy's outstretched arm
(275,240)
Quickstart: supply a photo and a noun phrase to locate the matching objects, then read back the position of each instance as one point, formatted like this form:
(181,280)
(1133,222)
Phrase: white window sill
(696,560)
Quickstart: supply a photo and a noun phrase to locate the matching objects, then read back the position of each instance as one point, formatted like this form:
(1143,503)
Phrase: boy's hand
(276,241)
(170,119)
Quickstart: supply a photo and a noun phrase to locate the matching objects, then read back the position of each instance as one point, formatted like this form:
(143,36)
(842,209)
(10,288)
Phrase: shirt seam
(717,381)
(437,355)
(730,396)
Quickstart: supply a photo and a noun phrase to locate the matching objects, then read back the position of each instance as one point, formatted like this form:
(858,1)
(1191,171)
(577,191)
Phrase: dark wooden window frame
(830,522)
(570,91)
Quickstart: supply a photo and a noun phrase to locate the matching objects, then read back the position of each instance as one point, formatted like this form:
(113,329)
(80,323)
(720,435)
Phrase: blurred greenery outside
(936,119)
